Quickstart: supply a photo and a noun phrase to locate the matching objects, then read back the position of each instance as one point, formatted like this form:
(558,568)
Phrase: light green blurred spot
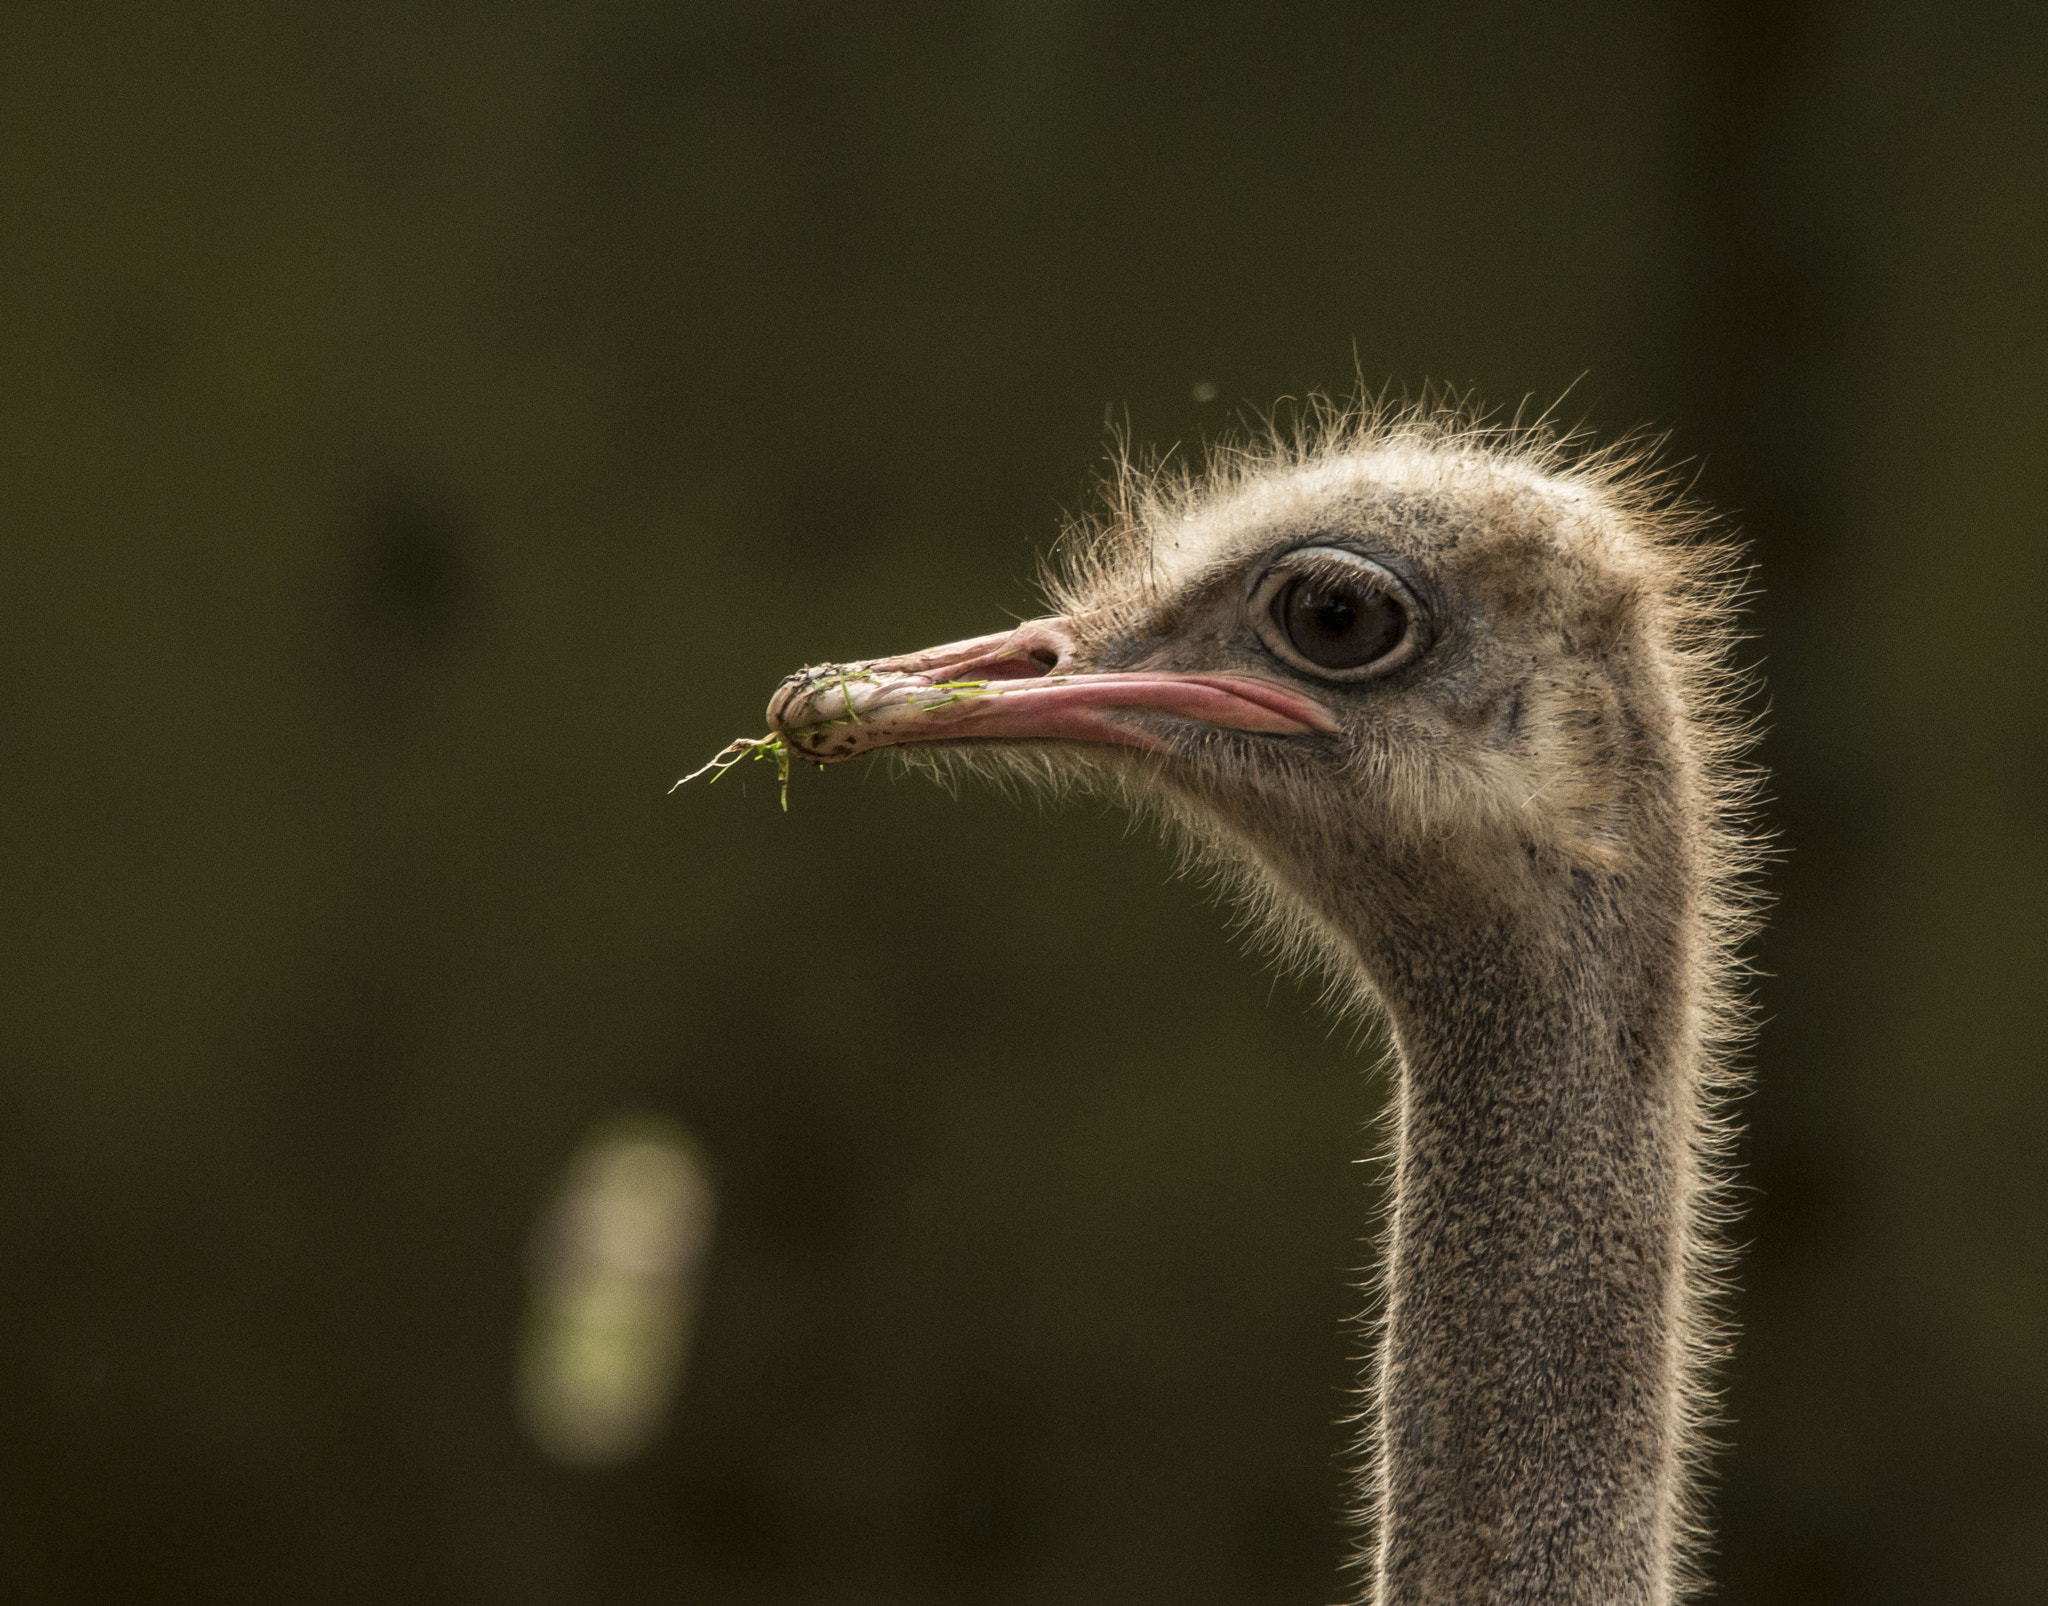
(615,1276)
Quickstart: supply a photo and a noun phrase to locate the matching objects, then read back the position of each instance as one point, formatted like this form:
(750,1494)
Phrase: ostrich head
(1399,662)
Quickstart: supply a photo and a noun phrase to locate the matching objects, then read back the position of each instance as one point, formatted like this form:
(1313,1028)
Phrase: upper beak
(1016,686)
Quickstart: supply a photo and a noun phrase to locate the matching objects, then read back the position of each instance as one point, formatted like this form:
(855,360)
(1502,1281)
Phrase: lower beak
(1014,687)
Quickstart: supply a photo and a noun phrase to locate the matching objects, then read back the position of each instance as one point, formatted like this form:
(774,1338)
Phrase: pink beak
(1012,686)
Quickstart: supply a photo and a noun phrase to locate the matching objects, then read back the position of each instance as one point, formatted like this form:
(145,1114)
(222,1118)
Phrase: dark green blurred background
(426,430)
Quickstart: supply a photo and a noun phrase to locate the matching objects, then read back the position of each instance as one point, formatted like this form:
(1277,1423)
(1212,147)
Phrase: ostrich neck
(1529,1417)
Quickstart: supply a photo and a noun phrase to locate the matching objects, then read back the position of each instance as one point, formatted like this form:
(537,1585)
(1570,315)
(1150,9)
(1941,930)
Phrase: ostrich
(1449,706)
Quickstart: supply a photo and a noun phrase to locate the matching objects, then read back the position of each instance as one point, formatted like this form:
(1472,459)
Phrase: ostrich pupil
(1340,627)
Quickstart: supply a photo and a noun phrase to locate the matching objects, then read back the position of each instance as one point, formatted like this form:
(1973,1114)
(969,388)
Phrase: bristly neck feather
(1529,1429)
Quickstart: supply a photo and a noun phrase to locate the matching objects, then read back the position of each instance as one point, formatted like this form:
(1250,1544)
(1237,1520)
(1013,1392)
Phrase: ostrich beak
(1012,686)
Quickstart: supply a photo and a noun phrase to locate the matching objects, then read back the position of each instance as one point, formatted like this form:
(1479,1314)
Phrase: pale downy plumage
(1451,706)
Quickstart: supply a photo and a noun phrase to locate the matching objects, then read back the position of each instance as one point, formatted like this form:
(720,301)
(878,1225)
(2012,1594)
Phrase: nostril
(1014,661)
(1024,666)
(1027,653)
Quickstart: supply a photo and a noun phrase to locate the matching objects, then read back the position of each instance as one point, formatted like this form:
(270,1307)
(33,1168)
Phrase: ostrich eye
(1339,626)
(1336,614)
